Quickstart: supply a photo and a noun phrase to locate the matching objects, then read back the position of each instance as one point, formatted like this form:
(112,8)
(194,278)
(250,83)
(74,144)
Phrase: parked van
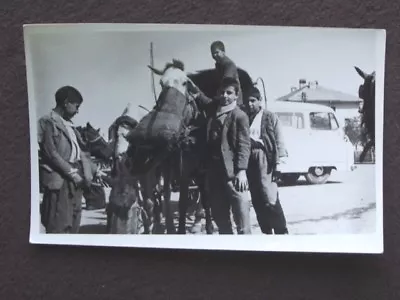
(315,141)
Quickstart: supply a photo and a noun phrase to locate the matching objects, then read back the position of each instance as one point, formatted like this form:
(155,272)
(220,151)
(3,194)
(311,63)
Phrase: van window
(289,119)
(323,121)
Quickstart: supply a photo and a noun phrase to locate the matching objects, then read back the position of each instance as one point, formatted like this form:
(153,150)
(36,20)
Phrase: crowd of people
(245,149)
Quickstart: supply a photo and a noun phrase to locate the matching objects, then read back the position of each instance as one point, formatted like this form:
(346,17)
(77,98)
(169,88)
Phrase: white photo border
(321,243)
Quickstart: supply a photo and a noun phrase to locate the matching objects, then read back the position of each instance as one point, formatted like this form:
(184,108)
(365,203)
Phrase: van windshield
(289,119)
(323,121)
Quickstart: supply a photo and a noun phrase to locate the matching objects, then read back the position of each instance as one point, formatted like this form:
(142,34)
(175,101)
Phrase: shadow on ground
(93,229)
(353,213)
(97,221)
(305,183)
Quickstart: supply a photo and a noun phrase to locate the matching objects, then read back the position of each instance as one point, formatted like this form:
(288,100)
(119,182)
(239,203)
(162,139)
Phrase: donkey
(97,145)
(367,110)
(101,151)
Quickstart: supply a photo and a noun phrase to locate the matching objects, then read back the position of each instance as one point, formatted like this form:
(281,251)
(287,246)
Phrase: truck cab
(315,141)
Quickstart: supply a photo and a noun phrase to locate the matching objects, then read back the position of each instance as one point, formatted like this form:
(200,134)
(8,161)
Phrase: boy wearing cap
(267,152)
(65,168)
(228,145)
(224,66)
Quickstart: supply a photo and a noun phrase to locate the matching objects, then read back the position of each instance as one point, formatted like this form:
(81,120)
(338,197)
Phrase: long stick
(152,74)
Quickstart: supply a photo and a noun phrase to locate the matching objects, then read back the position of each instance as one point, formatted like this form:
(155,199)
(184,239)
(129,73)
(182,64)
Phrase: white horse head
(173,76)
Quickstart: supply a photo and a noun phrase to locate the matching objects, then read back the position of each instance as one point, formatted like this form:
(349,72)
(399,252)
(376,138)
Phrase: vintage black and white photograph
(223,137)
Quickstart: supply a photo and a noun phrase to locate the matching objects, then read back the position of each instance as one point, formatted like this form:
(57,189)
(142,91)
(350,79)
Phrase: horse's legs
(158,207)
(203,209)
(147,215)
(367,148)
(108,214)
(169,221)
(148,205)
(199,211)
(183,204)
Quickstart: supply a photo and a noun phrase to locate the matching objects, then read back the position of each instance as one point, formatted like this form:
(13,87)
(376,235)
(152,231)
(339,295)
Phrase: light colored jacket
(272,136)
(55,150)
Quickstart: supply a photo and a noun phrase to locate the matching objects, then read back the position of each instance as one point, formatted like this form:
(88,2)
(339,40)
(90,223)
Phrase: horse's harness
(94,140)
(99,137)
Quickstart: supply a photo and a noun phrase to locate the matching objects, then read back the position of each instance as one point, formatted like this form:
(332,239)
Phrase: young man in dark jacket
(267,152)
(228,145)
(65,166)
(225,67)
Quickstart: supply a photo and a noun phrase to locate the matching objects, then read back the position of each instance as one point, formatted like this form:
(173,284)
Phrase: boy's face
(71,109)
(227,95)
(254,105)
(217,54)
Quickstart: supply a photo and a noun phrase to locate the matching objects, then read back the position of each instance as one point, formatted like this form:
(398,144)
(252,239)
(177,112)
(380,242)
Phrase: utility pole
(152,73)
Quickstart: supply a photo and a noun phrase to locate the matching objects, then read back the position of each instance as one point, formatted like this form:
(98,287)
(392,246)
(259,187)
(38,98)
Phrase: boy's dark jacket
(235,143)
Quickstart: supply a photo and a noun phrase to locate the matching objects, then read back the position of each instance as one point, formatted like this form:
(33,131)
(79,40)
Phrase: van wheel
(318,175)
(289,179)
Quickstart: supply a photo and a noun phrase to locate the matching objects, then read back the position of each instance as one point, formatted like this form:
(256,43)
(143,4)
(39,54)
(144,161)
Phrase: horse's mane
(176,63)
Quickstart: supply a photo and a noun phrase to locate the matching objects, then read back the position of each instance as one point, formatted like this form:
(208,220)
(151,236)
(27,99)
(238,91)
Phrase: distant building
(345,105)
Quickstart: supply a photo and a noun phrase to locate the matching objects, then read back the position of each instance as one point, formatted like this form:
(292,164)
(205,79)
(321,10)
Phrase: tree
(354,131)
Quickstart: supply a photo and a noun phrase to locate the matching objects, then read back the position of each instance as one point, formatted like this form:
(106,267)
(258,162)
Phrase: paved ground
(345,204)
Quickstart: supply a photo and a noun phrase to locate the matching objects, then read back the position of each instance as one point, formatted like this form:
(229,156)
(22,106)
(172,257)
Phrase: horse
(161,165)
(127,211)
(207,81)
(366,92)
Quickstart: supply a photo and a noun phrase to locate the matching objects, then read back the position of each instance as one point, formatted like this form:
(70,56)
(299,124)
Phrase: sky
(109,67)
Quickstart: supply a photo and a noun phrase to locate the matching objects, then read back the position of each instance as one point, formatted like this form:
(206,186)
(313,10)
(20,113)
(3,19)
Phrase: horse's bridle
(94,140)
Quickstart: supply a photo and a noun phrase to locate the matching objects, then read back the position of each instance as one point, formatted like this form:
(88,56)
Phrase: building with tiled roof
(345,105)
